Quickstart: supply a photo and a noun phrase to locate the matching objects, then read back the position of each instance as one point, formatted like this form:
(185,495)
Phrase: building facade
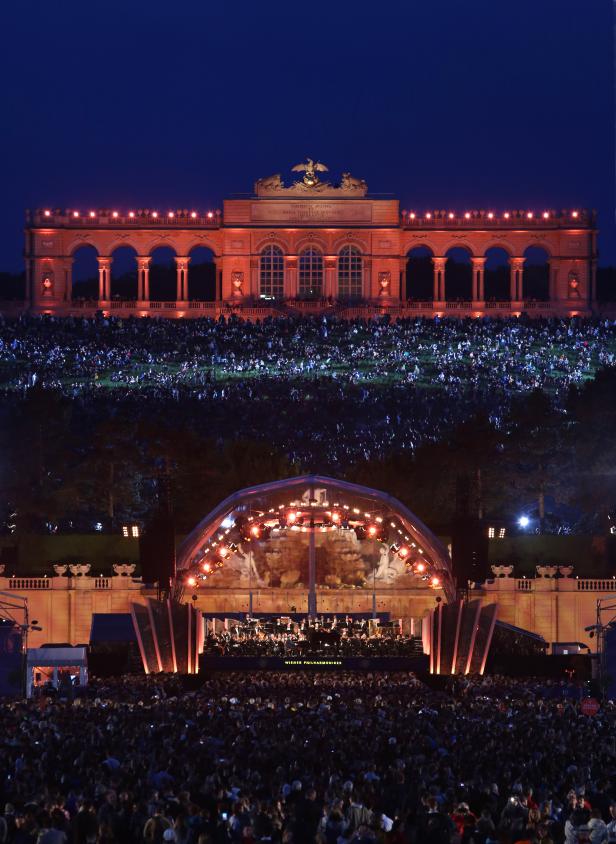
(559,607)
(314,246)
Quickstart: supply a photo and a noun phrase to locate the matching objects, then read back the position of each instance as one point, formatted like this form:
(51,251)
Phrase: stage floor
(209,663)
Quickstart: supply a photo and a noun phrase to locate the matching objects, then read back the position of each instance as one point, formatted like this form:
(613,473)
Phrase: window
(350,272)
(271,278)
(311,273)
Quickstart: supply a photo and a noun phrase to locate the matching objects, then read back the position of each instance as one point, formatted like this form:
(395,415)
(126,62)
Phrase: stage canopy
(264,537)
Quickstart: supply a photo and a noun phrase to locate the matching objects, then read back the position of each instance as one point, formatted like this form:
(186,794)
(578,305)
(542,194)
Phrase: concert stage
(209,664)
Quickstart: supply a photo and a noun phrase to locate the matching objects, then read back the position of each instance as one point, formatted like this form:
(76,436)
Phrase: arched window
(311,273)
(350,267)
(271,273)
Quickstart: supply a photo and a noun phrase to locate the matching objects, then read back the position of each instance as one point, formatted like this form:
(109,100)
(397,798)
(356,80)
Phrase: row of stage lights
(259,530)
(480,215)
(133,215)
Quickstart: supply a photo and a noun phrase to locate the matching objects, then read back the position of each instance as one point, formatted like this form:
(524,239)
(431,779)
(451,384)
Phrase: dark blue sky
(446,103)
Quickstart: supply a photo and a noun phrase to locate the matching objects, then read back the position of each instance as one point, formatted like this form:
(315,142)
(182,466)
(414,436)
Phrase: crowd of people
(296,757)
(326,638)
(406,381)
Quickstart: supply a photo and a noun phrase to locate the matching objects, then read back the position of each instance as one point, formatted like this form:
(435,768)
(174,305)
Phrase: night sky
(444,103)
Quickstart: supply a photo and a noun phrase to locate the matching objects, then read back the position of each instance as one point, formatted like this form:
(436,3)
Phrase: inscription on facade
(318,211)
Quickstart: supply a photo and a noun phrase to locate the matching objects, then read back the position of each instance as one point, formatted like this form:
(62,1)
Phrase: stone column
(181,288)
(68,279)
(254,286)
(290,277)
(143,278)
(516,288)
(439,279)
(218,276)
(104,278)
(330,286)
(478,279)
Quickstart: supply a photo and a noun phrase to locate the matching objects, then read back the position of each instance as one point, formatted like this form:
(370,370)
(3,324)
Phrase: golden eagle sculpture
(310,169)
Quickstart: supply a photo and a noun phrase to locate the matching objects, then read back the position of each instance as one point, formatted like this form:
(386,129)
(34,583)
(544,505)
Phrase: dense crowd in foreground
(348,389)
(299,758)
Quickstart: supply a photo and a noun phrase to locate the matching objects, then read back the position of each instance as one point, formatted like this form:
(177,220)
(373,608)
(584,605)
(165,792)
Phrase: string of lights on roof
(469,216)
(105,215)
(298,517)
(214,216)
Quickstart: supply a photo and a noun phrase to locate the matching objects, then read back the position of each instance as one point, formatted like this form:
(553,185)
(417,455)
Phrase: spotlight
(403,552)
(372,531)
(435,581)
(191,581)
(255,531)
(336,518)
(524,521)
(420,567)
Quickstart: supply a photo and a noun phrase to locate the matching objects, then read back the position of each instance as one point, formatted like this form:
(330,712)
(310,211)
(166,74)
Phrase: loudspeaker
(469,551)
(157,550)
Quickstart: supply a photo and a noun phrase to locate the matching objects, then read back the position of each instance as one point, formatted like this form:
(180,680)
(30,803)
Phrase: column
(254,286)
(330,286)
(181,288)
(402,282)
(478,279)
(218,277)
(68,279)
(143,278)
(290,277)
(516,288)
(439,279)
(104,278)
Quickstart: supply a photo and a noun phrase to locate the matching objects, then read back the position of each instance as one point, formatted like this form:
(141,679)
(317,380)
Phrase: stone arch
(460,244)
(163,273)
(84,272)
(125,241)
(497,274)
(123,281)
(458,274)
(410,243)
(348,239)
(79,244)
(500,244)
(305,241)
(536,273)
(278,240)
(206,242)
(202,274)
(162,244)
(420,273)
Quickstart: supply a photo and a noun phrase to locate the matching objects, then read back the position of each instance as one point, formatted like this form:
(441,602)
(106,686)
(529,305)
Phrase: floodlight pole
(374,593)
(312,563)
(250,561)
(312,571)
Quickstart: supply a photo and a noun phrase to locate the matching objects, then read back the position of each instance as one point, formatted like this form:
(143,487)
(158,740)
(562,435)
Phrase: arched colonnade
(495,275)
(126,274)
